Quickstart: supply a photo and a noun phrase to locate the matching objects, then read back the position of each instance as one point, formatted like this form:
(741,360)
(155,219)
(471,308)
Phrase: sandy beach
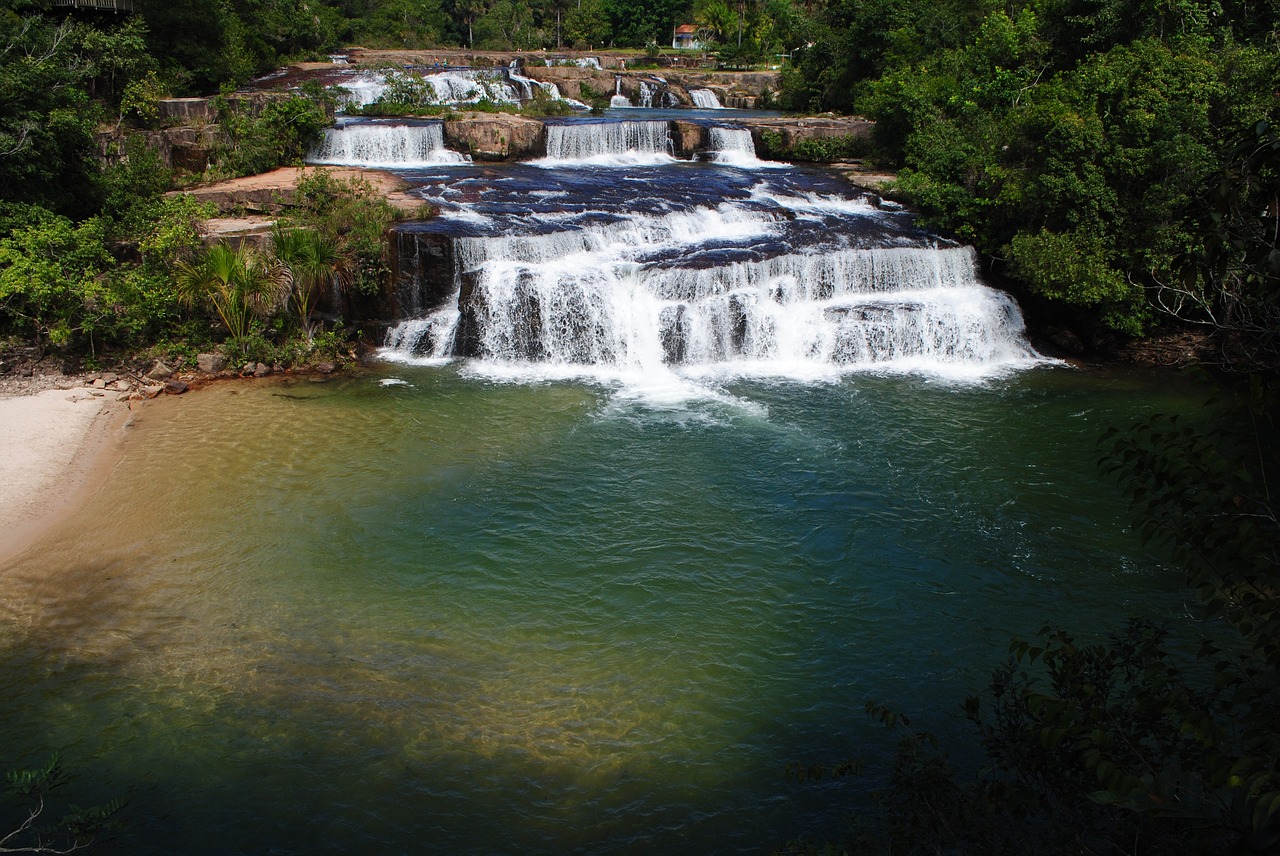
(58,446)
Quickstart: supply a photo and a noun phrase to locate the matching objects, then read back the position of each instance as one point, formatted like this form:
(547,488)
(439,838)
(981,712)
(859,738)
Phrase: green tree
(312,261)
(404,23)
(242,286)
(53,280)
(259,138)
(636,24)
(587,24)
(356,217)
(507,25)
(46,117)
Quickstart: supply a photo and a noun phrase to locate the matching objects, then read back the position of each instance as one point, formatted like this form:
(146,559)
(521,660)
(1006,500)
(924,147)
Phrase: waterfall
(705,99)
(609,143)
(654,93)
(654,293)
(733,146)
(361,89)
(370,144)
(618,99)
(452,86)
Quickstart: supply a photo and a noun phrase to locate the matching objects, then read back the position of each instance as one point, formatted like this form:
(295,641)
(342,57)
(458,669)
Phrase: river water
(541,599)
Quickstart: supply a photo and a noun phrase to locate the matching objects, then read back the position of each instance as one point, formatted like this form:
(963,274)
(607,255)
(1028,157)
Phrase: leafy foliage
(1091,150)
(74,830)
(53,283)
(260,136)
(312,262)
(243,286)
(355,217)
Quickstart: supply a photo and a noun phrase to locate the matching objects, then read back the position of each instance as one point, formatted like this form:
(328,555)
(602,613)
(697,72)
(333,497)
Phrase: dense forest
(1114,162)
(1117,164)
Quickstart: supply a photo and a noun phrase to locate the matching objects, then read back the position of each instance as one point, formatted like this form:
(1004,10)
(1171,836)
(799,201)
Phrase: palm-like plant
(311,260)
(242,285)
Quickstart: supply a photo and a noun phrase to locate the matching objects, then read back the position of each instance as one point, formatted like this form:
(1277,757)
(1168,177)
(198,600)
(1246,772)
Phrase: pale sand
(56,447)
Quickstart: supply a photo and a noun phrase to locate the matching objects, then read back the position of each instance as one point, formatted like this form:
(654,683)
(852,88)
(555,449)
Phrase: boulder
(160,371)
(153,390)
(261,370)
(689,138)
(1067,341)
(210,363)
(496,136)
(175,387)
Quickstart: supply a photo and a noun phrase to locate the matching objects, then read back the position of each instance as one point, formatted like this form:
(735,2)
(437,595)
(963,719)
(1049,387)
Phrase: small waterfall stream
(705,99)
(609,142)
(734,146)
(384,145)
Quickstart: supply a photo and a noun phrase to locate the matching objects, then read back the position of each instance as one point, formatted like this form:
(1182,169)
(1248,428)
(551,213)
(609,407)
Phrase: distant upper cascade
(378,144)
(454,86)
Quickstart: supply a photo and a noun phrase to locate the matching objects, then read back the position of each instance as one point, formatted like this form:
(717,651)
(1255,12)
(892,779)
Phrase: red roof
(686,29)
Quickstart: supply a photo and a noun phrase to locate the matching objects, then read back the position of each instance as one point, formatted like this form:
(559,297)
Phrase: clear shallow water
(418,608)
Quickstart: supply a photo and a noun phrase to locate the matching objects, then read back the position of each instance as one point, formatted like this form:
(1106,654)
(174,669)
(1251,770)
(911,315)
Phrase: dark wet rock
(1067,341)
(689,139)
(674,332)
(176,387)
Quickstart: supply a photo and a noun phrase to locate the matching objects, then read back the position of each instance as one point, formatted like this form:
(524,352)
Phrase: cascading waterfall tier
(733,146)
(774,276)
(655,94)
(605,141)
(705,99)
(384,145)
(454,86)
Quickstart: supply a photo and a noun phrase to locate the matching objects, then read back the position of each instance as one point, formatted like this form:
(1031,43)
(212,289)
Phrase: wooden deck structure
(104,5)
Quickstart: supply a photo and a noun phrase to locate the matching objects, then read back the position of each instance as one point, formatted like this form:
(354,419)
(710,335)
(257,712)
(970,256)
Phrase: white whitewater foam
(705,99)
(362,89)
(814,204)
(608,144)
(736,147)
(384,146)
(586,303)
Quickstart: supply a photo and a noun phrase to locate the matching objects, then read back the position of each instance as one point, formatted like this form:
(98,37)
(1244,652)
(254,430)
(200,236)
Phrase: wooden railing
(109,5)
